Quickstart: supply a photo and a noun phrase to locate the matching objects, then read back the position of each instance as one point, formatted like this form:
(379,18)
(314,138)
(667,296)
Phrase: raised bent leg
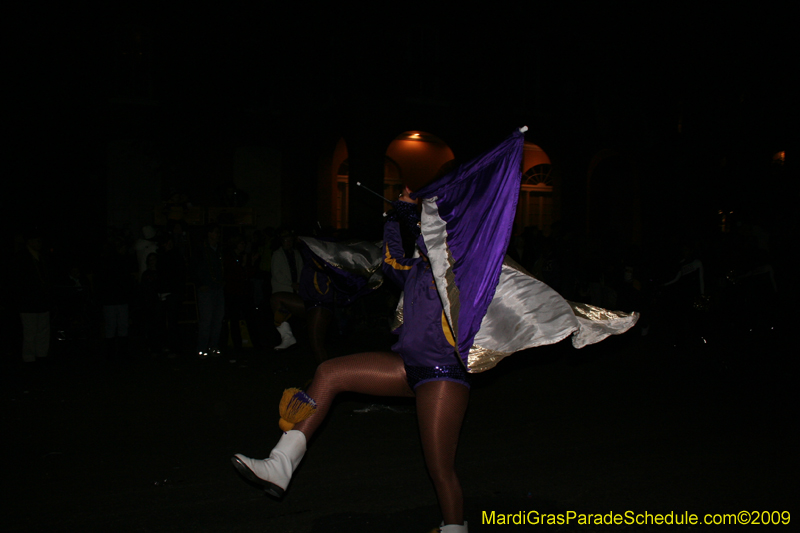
(286,302)
(440,409)
(375,373)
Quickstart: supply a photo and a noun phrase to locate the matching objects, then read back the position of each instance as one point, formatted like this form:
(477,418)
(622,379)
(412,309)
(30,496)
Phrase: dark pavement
(632,424)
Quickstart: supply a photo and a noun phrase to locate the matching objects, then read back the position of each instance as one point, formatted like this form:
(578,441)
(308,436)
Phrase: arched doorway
(535,206)
(417,159)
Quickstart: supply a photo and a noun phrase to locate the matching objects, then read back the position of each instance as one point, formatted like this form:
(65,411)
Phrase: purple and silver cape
(493,306)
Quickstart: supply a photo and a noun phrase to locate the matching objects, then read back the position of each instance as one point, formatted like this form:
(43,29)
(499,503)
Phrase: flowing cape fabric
(494,307)
(467,218)
(526,312)
(353,268)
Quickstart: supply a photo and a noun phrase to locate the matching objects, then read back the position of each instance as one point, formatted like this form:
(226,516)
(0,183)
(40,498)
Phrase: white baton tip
(523,129)
(358,183)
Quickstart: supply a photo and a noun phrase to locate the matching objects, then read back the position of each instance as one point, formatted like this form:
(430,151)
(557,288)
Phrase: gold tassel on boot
(295,407)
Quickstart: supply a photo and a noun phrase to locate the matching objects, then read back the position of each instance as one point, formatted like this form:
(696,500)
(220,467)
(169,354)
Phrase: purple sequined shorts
(417,375)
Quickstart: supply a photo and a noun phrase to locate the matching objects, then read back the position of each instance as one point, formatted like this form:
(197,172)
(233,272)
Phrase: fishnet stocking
(440,410)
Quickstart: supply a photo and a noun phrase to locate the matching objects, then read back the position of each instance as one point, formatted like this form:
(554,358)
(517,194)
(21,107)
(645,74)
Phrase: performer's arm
(396,266)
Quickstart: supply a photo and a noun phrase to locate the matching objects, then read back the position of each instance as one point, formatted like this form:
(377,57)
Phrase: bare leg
(441,406)
(376,373)
(318,320)
(440,410)
(287,302)
(284,305)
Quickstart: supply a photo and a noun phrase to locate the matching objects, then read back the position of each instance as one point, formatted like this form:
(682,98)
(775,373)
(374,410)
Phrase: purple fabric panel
(422,341)
(350,286)
(478,202)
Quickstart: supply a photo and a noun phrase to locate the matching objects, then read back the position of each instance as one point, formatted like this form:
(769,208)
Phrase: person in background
(32,284)
(262,260)
(144,247)
(152,306)
(210,281)
(287,264)
(115,282)
(239,271)
(172,287)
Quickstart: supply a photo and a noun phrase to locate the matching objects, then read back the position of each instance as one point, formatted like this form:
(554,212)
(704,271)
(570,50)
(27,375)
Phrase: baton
(373,192)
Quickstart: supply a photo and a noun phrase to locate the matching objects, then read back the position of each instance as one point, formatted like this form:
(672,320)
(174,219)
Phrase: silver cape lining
(360,257)
(526,313)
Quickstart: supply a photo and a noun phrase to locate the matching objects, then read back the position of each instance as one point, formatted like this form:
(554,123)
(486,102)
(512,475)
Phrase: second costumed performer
(465,229)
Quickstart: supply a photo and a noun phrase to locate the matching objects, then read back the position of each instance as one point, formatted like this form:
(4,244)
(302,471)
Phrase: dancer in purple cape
(451,322)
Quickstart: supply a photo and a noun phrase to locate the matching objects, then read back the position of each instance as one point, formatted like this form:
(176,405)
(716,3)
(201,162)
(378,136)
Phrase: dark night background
(583,77)
(696,98)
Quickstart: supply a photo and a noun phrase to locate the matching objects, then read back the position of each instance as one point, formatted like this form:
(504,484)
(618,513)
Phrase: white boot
(276,471)
(454,529)
(287,339)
